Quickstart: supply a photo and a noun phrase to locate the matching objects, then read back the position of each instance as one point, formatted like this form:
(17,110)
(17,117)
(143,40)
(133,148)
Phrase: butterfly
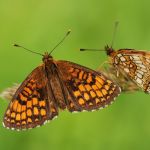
(56,85)
(134,64)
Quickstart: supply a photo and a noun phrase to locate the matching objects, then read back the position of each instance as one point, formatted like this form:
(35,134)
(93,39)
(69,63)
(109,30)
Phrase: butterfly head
(109,50)
(47,57)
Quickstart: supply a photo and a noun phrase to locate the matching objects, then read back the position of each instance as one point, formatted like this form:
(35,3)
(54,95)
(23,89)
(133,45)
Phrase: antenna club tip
(16,45)
(69,31)
(82,49)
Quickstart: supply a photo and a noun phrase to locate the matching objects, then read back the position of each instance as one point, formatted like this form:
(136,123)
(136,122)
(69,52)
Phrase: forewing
(88,89)
(30,106)
(136,65)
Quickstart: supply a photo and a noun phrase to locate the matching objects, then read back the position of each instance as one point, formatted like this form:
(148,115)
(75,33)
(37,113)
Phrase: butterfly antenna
(61,41)
(114,33)
(87,49)
(16,45)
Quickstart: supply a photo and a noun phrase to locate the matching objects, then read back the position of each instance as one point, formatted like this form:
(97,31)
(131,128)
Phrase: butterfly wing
(87,89)
(136,65)
(31,105)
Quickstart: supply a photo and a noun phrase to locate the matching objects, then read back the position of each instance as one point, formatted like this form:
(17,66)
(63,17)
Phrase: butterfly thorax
(49,64)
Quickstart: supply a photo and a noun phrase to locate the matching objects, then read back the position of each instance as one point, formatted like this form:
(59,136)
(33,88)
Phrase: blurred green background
(39,25)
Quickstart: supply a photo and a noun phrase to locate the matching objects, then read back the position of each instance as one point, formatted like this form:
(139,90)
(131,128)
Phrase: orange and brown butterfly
(57,85)
(130,64)
(133,65)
